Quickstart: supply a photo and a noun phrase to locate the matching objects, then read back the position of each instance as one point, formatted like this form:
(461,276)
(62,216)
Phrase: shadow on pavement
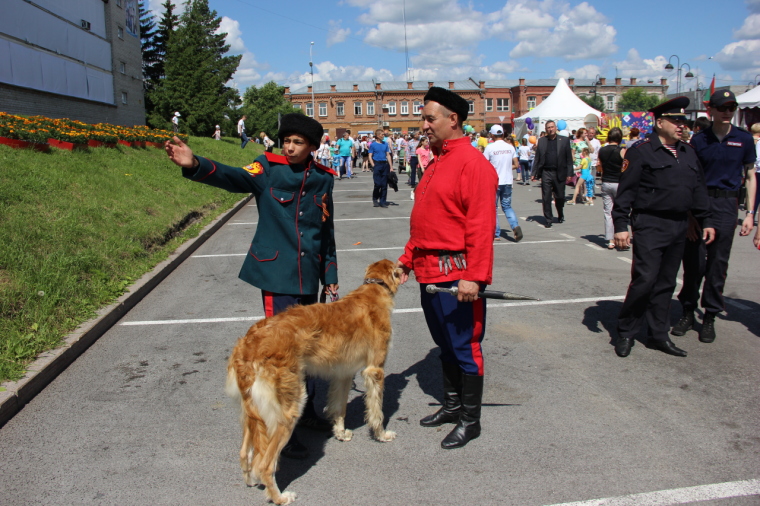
(599,240)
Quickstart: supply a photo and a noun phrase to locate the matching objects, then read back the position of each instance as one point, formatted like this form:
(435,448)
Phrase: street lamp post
(688,74)
(311,67)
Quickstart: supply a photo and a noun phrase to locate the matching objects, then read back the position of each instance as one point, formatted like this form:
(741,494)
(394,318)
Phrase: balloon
(561,124)
(468,129)
(529,122)
(532,139)
(564,133)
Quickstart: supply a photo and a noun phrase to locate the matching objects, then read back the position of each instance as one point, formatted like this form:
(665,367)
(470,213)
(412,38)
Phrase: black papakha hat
(721,97)
(297,123)
(674,108)
(449,100)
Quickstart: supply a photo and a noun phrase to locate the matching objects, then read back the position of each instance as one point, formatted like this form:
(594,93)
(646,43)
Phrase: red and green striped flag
(708,93)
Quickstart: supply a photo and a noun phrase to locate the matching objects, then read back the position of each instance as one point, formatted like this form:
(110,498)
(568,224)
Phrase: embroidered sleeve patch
(254,169)
(625,166)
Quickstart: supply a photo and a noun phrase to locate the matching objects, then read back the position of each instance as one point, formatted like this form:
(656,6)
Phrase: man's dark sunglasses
(726,108)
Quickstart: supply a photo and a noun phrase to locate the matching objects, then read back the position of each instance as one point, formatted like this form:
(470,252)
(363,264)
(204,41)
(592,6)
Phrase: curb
(51,363)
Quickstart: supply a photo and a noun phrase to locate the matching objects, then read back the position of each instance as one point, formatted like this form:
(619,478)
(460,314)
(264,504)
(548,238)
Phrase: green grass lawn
(77,228)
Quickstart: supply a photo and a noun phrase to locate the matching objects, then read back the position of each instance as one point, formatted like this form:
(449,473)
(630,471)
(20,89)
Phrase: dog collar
(375,281)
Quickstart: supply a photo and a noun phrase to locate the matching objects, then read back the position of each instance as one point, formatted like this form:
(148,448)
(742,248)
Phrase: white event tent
(561,104)
(749,108)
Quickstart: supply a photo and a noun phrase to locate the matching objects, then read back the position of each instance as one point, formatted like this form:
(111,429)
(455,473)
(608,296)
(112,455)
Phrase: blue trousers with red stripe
(457,327)
(275,303)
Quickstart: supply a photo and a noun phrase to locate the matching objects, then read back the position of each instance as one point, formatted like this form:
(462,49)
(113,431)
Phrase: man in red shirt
(451,244)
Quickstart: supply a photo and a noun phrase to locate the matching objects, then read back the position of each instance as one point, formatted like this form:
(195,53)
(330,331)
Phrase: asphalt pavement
(141,417)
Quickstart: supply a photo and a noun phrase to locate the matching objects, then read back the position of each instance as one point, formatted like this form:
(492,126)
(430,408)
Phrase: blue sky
(507,39)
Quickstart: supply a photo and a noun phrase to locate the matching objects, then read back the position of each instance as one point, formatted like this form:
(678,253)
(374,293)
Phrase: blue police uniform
(723,162)
(656,191)
(294,245)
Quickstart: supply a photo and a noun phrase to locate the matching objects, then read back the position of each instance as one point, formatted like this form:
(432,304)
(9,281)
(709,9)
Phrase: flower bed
(24,132)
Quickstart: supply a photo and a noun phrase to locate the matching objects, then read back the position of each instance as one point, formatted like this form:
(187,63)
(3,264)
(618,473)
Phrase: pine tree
(166,27)
(196,72)
(262,106)
(150,54)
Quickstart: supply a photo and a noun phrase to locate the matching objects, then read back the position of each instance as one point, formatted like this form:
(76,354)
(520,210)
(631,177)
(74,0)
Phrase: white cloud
(336,34)
(634,65)
(750,29)
(234,36)
(447,38)
(744,55)
(578,32)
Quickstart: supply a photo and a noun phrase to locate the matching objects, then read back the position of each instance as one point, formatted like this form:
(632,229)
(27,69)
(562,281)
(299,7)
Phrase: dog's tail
(231,387)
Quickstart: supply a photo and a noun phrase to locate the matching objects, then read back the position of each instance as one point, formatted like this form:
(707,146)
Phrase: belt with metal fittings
(444,261)
(725,194)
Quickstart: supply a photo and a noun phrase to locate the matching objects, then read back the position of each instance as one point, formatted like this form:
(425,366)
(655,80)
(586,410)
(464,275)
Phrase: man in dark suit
(552,165)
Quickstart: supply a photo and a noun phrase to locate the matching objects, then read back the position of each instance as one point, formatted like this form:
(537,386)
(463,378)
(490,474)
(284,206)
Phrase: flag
(708,93)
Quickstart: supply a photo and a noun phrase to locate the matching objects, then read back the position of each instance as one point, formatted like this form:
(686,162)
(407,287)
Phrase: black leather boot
(469,420)
(452,401)
(685,324)
(707,334)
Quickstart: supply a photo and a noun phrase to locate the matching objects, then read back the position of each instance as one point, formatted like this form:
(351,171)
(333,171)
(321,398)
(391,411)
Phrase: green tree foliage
(262,106)
(166,26)
(196,72)
(636,99)
(150,56)
(594,101)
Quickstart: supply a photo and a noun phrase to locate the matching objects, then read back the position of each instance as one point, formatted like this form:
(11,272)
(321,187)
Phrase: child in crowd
(587,176)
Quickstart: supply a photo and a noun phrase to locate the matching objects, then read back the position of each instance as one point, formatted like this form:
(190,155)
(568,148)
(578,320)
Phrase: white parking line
(348,250)
(595,246)
(340,219)
(625,259)
(678,495)
(407,310)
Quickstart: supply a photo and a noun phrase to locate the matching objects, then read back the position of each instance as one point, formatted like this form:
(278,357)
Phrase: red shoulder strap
(271,157)
(326,169)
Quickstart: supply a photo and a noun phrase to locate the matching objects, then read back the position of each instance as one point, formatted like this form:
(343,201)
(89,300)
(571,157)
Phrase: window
(417,107)
(391,107)
(323,108)
(610,102)
(531,103)
(124,97)
(502,104)
(370,108)
(471,105)
(404,107)
(357,108)
(122,67)
(339,109)
(120,32)
(297,106)
(489,104)
(310,109)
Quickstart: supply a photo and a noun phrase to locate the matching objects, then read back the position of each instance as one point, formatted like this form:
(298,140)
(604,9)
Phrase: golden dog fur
(333,341)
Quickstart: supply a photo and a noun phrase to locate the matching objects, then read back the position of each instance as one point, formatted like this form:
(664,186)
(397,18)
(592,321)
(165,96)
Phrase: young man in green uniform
(293,249)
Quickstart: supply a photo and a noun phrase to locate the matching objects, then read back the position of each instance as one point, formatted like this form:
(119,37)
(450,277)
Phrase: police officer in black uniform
(661,181)
(725,151)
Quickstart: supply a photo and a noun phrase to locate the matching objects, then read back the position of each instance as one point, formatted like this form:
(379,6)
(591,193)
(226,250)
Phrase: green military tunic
(294,245)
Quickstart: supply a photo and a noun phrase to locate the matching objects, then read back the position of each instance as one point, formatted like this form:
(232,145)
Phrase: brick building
(79,59)
(364,106)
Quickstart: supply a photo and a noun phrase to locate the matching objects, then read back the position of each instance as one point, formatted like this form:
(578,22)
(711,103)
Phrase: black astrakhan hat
(297,123)
(675,108)
(449,100)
